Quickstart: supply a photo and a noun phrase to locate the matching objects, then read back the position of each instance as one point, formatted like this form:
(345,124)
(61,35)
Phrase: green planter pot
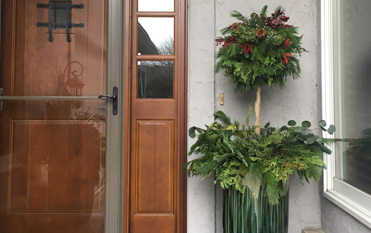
(244,214)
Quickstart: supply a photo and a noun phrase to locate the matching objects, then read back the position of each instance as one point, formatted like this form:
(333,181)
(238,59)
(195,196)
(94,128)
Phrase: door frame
(181,36)
(114,142)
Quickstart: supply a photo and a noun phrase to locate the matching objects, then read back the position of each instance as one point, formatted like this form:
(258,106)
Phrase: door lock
(114,98)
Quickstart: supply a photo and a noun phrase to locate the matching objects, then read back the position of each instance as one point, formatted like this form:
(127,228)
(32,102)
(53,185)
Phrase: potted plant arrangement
(253,163)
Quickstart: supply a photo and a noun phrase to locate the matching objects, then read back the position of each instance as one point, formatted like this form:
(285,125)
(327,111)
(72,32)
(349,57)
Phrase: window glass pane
(159,5)
(354,96)
(155,36)
(155,79)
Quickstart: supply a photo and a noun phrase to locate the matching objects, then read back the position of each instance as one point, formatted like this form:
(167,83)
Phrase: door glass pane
(159,5)
(354,98)
(52,131)
(155,36)
(155,79)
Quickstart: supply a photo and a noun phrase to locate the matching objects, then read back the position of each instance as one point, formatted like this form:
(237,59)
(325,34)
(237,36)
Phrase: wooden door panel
(154,224)
(155,164)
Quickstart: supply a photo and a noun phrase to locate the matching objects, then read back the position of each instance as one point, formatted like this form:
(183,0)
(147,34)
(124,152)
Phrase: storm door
(59,156)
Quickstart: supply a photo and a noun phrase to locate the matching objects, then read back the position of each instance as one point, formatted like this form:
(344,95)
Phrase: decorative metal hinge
(60,17)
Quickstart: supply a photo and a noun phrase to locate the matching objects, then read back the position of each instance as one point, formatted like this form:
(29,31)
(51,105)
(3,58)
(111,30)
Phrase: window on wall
(346,76)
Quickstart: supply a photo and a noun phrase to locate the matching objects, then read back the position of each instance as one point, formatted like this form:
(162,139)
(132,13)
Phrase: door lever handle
(114,98)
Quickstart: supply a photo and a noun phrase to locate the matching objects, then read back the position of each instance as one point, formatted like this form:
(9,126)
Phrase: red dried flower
(247,47)
(286,58)
(287,43)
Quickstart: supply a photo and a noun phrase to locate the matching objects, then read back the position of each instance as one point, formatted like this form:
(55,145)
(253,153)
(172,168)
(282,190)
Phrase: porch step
(313,231)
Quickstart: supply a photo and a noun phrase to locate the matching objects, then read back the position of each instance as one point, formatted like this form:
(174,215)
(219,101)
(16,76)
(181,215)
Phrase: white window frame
(347,197)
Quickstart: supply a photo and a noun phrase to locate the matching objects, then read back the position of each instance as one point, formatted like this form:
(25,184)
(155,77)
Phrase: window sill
(351,207)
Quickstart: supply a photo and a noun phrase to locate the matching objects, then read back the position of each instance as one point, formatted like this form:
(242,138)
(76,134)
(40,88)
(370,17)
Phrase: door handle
(113,98)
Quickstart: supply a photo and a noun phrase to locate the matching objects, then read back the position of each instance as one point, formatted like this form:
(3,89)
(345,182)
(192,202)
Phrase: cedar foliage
(231,151)
(259,50)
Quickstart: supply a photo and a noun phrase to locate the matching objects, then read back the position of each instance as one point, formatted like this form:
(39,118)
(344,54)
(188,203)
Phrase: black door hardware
(60,17)
(114,98)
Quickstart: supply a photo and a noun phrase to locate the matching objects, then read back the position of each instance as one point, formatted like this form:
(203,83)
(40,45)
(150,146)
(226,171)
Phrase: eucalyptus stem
(257,110)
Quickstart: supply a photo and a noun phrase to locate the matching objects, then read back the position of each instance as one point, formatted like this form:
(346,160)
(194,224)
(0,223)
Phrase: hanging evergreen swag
(259,50)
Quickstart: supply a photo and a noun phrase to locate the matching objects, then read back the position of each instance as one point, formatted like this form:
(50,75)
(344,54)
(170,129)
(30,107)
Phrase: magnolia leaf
(291,123)
(223,117)
(322,123)
(267,125)
(192,132)
(306,124)
(331,129)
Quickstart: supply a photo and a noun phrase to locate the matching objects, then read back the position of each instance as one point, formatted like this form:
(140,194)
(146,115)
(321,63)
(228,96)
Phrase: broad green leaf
(192,132)
(223,117)
(306,124)
(267,125)
(291,123)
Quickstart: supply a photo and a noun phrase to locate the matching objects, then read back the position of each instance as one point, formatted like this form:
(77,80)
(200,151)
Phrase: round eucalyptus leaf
(312,140)
(301,130)
(322,123)
(306,124)
(291,123)
(284,128)
(331,129)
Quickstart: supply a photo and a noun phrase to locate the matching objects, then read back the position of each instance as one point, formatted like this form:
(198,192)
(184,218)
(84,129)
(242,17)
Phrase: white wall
(299,101)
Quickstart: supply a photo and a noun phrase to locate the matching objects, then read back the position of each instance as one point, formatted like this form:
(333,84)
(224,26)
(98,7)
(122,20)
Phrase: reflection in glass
(357,161)
(159,5)
(156,36)
(354,99)
(52,155)
(155,79)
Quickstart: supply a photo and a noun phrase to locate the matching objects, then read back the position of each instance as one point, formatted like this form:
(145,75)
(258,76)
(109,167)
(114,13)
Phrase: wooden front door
(52,126)
(155,116)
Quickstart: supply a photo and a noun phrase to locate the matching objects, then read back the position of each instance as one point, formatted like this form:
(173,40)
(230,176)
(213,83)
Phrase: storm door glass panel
(354,97)
(52,125)
(155,36)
